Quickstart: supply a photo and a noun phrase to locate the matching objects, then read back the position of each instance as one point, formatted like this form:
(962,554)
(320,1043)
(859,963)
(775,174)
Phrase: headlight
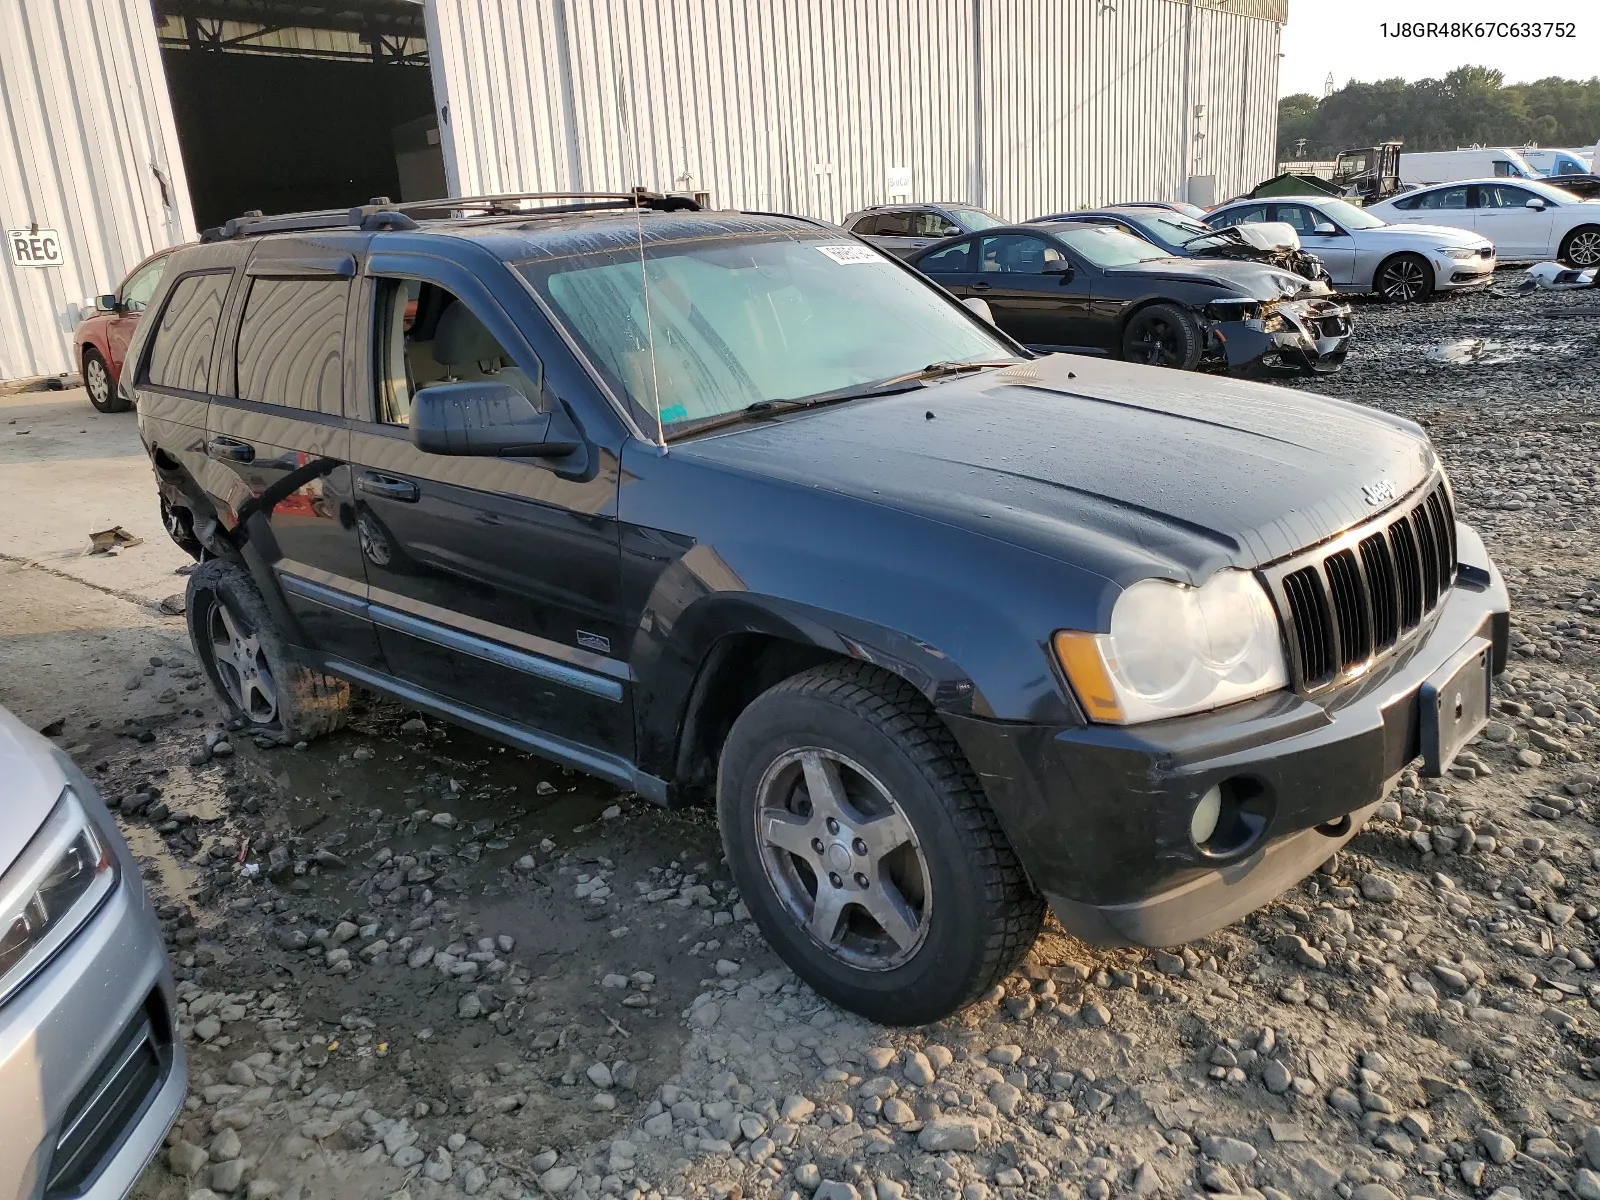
(1455,251)
(1174,649)
(49,892)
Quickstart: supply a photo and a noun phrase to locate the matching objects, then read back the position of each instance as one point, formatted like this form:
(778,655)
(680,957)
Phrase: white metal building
(121,137)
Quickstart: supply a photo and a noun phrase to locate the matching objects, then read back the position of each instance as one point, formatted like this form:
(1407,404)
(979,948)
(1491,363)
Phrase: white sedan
(1364,253)
(1527,221)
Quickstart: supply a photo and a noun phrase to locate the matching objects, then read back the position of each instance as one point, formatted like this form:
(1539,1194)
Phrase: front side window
(180,349)
(291,344)
(1299,217)
(1503,196)
(1011,254)
(928,223)
(749,318)
(426,335)
(141,285)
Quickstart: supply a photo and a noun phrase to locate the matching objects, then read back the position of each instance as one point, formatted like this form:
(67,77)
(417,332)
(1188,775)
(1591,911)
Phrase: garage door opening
(288,105)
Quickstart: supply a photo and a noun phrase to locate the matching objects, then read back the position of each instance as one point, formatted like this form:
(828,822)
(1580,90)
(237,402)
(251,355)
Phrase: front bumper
(1306,336)
(1100,814)
(91,1070)
(1456,275)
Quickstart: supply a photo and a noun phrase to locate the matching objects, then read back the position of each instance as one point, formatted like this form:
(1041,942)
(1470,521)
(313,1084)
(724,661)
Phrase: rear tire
(926,905)
(1403,279)
(247,661)
(1163,335)
(98,383)
(1581,247)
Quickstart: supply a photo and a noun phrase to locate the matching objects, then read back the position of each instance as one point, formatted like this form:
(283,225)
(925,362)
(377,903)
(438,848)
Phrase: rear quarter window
(291,342)
(181,346)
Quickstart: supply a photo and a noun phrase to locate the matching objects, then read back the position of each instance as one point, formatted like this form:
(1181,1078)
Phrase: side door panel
(494,582)
(1336,250)
(1045,310)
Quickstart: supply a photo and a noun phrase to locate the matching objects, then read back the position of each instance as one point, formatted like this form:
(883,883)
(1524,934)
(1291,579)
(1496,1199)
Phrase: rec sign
(35,247)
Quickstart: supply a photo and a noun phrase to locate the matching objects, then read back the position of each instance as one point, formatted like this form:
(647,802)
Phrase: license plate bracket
(1453,705)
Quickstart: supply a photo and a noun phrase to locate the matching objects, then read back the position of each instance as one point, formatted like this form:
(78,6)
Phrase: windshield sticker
(846,255)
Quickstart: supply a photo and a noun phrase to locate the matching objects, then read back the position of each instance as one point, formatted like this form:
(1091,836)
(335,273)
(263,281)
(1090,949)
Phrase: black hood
(1258,281)
(1125,470)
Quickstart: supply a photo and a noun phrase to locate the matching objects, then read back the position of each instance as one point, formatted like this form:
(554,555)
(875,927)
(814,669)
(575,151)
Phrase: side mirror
(950,231)
(1535,202)
(1060,267)
(1325,228)
(106,304)
(485,419)
(980,306)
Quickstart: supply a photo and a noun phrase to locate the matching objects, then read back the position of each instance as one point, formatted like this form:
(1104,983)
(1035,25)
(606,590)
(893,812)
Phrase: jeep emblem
(1379,493)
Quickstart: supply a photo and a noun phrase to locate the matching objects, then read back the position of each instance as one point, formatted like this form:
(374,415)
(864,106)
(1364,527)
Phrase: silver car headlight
(1175,649)
(1455,252)
(55,885)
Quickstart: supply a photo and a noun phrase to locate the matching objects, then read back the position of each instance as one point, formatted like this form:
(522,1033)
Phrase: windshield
(973,219)
(741,320)
(1348,215)
(1179,229)
(1106,246)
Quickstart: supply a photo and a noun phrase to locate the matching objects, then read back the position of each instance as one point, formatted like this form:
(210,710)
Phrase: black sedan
(1093,289)
(1185,237)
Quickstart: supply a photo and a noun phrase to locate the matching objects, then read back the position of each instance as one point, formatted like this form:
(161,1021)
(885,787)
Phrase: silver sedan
(91,1072)
(1363,253)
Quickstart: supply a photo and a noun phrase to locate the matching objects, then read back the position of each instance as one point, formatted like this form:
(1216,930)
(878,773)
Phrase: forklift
(1371,173)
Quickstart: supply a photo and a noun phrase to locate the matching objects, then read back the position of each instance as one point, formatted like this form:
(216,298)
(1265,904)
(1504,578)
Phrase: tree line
(1470,105)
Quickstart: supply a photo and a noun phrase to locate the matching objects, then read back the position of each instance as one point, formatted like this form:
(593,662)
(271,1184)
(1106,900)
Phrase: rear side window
(951,261)
(291,344)
(866,225)
(180,351)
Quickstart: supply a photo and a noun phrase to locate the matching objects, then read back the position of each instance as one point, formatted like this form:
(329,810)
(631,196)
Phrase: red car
(101,341)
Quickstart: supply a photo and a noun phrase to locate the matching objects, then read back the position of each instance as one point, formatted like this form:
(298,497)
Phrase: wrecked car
(1273,243)
(1091,288)
(731,508)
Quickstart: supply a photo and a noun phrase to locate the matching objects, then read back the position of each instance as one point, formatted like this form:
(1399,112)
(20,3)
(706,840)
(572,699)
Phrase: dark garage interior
(284,106)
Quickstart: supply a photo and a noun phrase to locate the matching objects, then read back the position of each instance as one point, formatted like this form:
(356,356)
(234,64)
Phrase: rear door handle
(226,449)
(981,286)
(387,487)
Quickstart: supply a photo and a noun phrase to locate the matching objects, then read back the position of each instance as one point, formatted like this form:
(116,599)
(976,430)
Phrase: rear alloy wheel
(97,382)
(865,849)
(1404,279)
(1163,335)
(248,662)
(1582,247)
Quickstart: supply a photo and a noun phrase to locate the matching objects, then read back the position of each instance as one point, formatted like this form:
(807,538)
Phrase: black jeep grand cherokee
(729,503)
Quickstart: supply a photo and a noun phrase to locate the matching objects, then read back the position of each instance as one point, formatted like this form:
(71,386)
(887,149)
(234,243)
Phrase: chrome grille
(1361,595)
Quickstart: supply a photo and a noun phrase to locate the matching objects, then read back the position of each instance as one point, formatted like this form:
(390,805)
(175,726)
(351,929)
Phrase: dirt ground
(414,963)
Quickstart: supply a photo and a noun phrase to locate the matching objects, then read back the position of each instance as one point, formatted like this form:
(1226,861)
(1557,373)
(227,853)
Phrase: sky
(1348,39)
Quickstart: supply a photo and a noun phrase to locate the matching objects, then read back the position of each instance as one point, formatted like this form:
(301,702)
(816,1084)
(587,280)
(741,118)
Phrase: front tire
(1581,247)
(97,382)
(1163,335)
(915,903)
(1404,279)
(246,658)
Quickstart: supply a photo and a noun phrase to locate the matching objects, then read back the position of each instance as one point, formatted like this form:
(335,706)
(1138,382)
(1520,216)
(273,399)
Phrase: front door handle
(981,286)
(226,449)
(387,487)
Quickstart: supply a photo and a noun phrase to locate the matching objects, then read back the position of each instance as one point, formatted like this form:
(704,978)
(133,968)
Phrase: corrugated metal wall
(90,152)
(804,105)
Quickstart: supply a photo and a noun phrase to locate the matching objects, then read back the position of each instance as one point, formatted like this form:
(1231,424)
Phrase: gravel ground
(414,964)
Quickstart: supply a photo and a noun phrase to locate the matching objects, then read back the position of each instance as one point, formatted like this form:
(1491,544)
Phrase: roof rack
(381,213)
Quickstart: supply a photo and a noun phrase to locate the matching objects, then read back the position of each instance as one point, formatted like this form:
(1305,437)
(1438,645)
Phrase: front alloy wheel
(1404,280)
(843,859)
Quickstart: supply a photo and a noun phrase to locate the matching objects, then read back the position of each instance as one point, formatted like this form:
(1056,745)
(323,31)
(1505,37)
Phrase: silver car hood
(31,779)
(1444,235)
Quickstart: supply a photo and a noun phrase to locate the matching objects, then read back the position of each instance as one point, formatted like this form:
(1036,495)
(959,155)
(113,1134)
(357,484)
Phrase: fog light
(1206,814)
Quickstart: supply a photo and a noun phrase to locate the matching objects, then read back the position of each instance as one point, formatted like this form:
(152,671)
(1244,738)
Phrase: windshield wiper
(855,391)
